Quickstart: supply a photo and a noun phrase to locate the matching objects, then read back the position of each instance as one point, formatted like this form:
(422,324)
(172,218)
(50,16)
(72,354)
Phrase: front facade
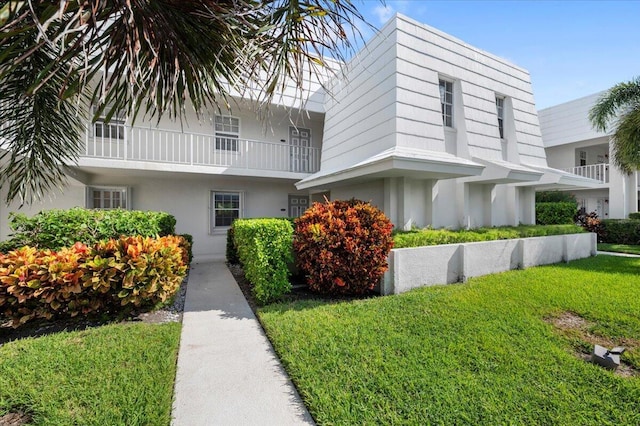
(571,144)
(431,130)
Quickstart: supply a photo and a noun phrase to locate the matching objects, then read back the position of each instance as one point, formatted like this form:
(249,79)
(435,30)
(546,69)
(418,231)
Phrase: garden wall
(444,264)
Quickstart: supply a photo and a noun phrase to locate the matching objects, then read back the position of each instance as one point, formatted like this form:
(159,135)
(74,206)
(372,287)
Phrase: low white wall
(444,264)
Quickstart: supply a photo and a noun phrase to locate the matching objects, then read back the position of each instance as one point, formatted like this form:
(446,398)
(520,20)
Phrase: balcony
(116,141)
(599,172)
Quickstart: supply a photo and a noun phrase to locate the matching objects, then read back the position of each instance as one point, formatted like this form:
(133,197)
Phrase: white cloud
(383,13)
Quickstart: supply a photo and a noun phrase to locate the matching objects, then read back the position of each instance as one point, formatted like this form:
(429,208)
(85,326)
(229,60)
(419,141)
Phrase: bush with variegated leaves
(342,246)
(129,271)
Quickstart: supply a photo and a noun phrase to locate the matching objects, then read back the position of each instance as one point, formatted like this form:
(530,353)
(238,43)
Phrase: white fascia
(500,172)
(396,162)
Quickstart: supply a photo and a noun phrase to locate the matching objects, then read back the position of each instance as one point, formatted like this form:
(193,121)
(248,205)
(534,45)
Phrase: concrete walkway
(611,253)
(228,373)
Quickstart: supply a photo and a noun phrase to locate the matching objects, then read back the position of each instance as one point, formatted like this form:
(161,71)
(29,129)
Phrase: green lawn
(619,248)
(484,352)
(119,374)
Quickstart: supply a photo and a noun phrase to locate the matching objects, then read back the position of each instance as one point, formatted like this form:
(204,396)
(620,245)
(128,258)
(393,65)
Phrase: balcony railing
(119,142)
(598,172)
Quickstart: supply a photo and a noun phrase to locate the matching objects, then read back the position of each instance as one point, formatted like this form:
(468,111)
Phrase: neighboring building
(431,130)
(573,145)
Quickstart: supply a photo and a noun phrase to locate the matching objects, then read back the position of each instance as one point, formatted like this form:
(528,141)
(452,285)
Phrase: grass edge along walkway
(619,248)
(118,374)
(484,352)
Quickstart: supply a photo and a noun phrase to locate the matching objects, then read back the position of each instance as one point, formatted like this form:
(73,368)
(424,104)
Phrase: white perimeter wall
(411,268)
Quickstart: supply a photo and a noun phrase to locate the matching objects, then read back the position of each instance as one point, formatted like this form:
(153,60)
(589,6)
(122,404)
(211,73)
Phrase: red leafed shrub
(342,246)
(81,280)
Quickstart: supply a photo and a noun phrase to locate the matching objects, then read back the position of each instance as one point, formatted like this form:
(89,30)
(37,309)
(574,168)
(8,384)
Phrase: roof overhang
(561,180)
(500,172)
(395,162)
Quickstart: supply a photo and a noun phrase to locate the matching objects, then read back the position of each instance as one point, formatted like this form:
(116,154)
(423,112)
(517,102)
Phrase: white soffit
(499,172)
(396,162)
(559,179)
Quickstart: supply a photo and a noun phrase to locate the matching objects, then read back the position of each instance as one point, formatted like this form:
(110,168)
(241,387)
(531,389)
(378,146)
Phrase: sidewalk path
(611,253)
(228,373)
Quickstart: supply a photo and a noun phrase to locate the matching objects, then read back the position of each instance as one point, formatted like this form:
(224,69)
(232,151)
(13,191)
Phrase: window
(225,208)
(114,129)
(107,198)
(500,110)
(583,158)
(446,101)
(227,132)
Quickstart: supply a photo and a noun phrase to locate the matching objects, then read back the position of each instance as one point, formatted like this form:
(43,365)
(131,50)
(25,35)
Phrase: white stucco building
(573,145)
(430,129)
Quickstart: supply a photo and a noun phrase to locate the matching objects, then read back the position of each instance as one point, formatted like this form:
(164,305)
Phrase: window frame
(125,195)
(582,158)
(443,85)
(226,140)
(118,122)
(213,209)
(500,101)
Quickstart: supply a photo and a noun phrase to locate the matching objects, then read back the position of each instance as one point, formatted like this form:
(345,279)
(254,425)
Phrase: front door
(298,204)
(602,208)
(300,142)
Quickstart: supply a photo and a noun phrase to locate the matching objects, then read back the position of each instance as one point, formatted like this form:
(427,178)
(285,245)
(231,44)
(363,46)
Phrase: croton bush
(342,246)
(103,278)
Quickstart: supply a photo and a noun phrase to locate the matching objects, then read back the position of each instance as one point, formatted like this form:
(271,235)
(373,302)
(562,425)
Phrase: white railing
(117,141)
(592,171)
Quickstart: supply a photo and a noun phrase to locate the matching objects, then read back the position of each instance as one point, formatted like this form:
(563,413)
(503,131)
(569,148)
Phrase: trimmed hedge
(231,251)
(621,231)
(129,271)
(555,213)
(54,229)
(556,197)
(432,237)
(264,247)
(634,216)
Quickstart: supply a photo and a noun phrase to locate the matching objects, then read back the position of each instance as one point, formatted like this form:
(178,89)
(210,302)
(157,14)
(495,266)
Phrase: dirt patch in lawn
(579,332)
(15,418)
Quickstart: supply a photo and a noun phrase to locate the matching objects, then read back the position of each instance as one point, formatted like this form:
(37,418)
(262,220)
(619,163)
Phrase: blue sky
(571,48)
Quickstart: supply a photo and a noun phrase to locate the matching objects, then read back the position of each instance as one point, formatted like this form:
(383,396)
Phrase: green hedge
(54,229)
(634,216)
(432,237)
(556,197)
(555,213)
(621,231)
(264,247)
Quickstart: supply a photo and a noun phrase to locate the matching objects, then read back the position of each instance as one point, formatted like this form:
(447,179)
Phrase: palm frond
(620,97)
(151,57)
(625,142)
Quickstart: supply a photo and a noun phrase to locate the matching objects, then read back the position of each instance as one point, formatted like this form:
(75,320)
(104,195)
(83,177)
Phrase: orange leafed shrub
(80,280)
(342,246)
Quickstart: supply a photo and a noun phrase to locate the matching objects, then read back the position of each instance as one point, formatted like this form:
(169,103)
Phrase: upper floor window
(107,198)
(583,158)
(446,101)
(500,110)
(227,132)
(113,129)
